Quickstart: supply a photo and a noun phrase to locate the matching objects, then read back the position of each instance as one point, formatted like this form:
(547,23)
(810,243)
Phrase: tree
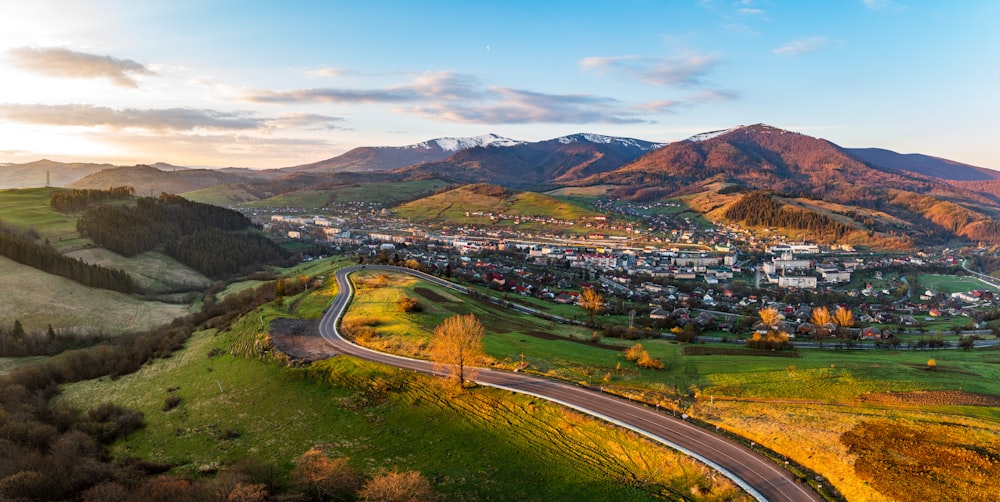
(394,486)
(844,319)
(325,478)
(820,318)
(592,302)
(770,317)
(457,345)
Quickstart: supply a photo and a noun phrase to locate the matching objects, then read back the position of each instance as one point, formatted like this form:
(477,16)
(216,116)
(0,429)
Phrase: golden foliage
(770,317)
(592,302)
(394,486)
(844,317)
(325,477)
(457,346)
(821,316)
(633,352)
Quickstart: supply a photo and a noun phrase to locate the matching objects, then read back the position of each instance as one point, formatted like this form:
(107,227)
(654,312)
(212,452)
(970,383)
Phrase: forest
(209,239)
(24,250)
(758,209)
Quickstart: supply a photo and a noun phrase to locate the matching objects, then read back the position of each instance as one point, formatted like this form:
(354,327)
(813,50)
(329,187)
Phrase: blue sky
(272,84)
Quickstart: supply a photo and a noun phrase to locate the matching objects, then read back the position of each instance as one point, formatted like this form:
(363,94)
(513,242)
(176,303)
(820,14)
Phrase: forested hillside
(208,238)
(24,250)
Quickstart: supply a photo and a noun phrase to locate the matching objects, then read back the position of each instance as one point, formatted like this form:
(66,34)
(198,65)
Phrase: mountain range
(932,196)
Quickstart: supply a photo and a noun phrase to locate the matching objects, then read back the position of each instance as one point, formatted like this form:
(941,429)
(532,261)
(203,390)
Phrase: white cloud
(802,46)
(65,63)
(668,71)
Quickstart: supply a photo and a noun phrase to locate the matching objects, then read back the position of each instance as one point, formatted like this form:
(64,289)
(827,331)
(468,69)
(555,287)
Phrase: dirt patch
(299,339)
(430,294)
(940,369)
(932,398)
(723,351)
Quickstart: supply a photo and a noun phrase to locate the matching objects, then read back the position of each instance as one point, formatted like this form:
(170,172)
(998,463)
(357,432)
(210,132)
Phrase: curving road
(755,474)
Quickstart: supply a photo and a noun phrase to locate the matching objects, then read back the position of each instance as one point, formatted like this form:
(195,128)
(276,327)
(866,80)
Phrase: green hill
(492,205)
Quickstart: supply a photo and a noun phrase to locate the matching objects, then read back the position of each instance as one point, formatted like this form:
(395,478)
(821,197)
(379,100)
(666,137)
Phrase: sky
(264,84)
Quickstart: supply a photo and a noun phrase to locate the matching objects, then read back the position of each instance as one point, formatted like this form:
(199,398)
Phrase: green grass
(451,207)
(387,193)
(947,284)
(481,445)
(30,209)
(222,195)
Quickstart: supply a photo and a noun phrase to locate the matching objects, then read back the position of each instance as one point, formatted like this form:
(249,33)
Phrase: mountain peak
(607,140)
(755,128)
(458,144)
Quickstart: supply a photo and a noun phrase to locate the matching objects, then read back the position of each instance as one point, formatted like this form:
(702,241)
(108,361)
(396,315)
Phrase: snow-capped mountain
(459,144)
(610,140)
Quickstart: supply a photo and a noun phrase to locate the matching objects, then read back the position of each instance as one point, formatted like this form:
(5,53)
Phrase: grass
(152,271)
(38,299)
(797,407)
(947,284)
(222,195)
(30,209)
(483,444)
(451,207)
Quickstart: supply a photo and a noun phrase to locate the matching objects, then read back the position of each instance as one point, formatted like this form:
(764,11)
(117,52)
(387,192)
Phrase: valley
(687,246)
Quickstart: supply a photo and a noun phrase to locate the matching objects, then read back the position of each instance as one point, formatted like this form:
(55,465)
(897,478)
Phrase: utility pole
(48,180)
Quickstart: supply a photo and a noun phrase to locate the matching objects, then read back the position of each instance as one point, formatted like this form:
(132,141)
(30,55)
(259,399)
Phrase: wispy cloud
(163,119)
(65,63)
(502,105)
(311,121)
(669,71)
(673,105)
(434,85)
(883,5)
(454,97)
(326,72)
(802,46)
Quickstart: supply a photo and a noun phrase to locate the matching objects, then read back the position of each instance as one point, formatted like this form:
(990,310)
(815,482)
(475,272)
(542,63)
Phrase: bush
(396,486)
(171,402)
(409,304)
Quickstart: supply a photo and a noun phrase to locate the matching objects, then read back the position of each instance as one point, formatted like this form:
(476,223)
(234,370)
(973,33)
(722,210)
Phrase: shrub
(409,304)
(171,402)
(393,486)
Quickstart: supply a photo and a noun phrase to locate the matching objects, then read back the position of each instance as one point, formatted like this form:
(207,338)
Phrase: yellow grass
(39,299)
(151,270)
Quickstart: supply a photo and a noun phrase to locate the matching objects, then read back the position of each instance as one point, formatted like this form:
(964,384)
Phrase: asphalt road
(757,475)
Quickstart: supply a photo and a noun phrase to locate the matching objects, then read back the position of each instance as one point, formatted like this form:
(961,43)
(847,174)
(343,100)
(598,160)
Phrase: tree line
(25,251)
(209,239)
(129,230)
(759,209)
(220,254)
(79,199)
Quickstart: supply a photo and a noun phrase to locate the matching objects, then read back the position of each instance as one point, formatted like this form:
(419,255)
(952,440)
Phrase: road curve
(754,473)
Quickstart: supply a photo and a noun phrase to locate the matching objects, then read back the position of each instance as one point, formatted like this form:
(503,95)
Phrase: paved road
(757,475)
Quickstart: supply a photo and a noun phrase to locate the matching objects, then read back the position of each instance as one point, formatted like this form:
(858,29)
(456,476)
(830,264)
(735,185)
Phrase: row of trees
(78,199)
(759,209)
(24,250)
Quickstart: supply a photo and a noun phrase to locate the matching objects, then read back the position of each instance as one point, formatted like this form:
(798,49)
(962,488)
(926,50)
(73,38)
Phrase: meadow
(482,444)
(800,408)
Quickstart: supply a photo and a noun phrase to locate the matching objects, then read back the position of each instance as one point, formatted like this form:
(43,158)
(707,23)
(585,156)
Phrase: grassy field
(38,299)
(30,209)
(799,407)
(222,195)
(480,445)
(947,284)
(387,193)
(152,271)
(452,206)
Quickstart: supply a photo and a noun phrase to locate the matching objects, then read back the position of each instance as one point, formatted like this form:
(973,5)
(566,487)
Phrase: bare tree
(592,302)
(457,346)
(324,477)
(394,486)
